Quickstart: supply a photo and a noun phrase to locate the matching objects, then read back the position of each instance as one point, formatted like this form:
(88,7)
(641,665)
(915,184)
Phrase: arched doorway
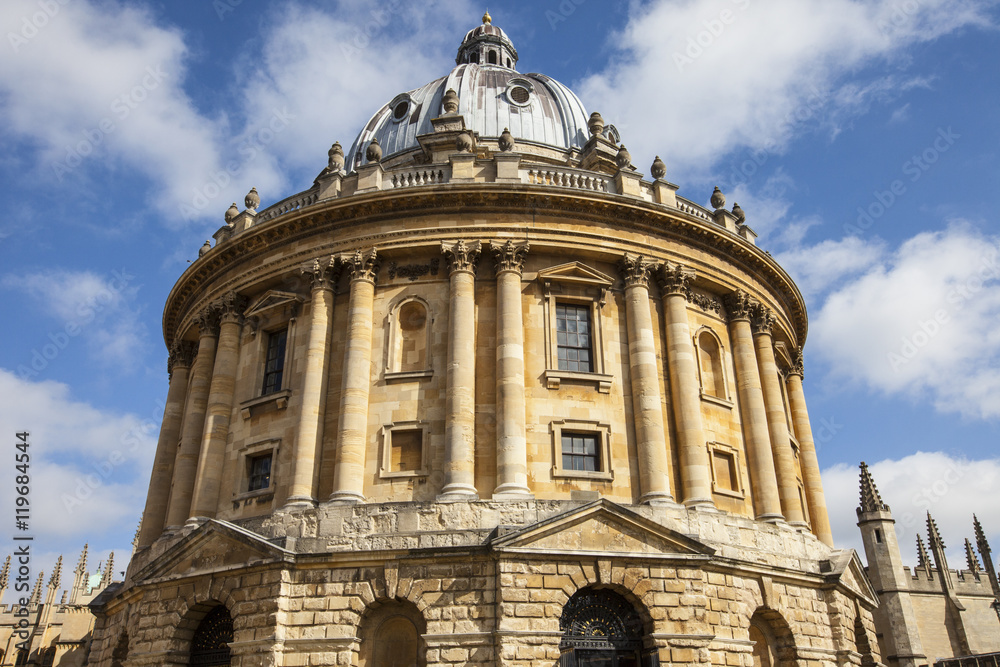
(391,635)
(120,654)
(210,644)
(602,629)
(773,645)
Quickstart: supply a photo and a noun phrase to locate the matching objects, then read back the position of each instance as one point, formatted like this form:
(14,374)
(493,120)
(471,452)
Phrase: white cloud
(922,322)
(817,268)
(101,310)
(725,75)
(952,488)
(89,467)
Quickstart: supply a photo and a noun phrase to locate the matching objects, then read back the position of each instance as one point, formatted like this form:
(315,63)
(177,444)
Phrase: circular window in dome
(519,94)
(400,107)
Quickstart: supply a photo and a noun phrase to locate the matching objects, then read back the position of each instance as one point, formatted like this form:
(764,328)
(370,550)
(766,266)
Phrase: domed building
(485,395)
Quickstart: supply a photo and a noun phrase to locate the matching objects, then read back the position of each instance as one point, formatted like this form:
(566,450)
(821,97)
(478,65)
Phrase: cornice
(467,201)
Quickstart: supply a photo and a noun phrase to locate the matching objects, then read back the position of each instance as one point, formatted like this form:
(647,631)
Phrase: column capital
(798,367)
(761,319)
(322,272)
(509,256)
(674,279)
(231,307)
(634,270)
(363,266)
(208,320)
(739,305)
(461,256)
(182,353)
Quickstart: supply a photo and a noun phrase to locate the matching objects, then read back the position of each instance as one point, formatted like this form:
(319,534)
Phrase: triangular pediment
(575,272)
(601,527)
(847,571)
(213,547)
(270,300)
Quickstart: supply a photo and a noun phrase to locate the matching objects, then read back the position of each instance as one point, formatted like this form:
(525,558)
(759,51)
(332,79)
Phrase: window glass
(260,472)
(580,452)
(274,362)
(573,338)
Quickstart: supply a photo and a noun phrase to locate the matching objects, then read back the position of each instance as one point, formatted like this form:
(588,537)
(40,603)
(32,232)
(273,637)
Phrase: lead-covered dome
(534,107)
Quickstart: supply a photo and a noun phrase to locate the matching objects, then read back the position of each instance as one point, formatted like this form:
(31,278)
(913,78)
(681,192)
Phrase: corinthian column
(763,481)
(762,323)
(186,465)
(155,514)
(651,439)
(460,404)
(352,440)
(220,405)
(309,434)
(512,449)
(807,452)
(696,482)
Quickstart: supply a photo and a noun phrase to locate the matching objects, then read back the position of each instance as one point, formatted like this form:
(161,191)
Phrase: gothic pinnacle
(871,501)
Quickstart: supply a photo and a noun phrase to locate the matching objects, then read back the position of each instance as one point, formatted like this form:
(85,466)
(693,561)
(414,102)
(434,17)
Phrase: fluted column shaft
(208,482)
(155,514)
(186,464)
(460,403)
(763,480)
(352,440)
(777,421)
(650,435)
(309,434)
(696,482)
(810,462)
(512,447)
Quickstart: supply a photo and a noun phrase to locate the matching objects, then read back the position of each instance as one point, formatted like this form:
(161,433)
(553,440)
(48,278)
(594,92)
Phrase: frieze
(414,271)
(705,302)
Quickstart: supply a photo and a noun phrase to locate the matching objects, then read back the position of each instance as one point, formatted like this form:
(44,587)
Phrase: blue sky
(859,137)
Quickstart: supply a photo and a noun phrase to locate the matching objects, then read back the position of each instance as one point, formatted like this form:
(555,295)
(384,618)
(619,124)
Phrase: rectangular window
(726,474)
(407,451)
(580,452)
(274,363)
(573,338)
(259,474)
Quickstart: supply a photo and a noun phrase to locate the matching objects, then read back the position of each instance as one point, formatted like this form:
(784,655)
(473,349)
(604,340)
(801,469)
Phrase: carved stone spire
(971,560)
(936,545)
(109,571)
(36,593)
(138,529)
(56,579)
(461,255)
(987,555)
(5,574)
(871,500)
(923,560)
(81,566)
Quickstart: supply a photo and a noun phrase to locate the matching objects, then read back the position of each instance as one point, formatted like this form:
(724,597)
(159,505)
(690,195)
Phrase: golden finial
(487,19)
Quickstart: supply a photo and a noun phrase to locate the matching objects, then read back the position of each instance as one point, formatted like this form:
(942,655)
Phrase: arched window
(391,636)
(713,381)
(762,656)
(600,627)
(48,656)
(474,58)
(210,645)
(492,57)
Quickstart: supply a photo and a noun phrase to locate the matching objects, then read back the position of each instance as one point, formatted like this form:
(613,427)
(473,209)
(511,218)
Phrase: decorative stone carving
(674,279)
(450,101)
(414,271)
(374,151)
(335,158)
(624,158)
(363,266)
(596,124)
(322,272)
(231,306)
(705,302)
(461,255)
(761,319)
(203,250)
(208,320)
(739,304)
(182,353)
(509,256)
(739,214)
(658,168)
(798,368)
(252,200)
(634,270)
(231,213)
(464,143)
(506,141)
(718,199)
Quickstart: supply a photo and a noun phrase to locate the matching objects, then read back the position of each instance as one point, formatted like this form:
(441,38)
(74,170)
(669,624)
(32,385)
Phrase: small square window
(259,472)
(726,478)
(580,452)
(274,361)
(407,451)
(404,450)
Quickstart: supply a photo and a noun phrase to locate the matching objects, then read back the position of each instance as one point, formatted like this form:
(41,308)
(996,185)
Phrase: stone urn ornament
(596,124)
(450,101)
(231,213)
(739,214)
(374,151)
(624,158)
(335,158)
(506,141)
(463,143)
(252,200)
(718,199)
(204,248)
(658,168)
